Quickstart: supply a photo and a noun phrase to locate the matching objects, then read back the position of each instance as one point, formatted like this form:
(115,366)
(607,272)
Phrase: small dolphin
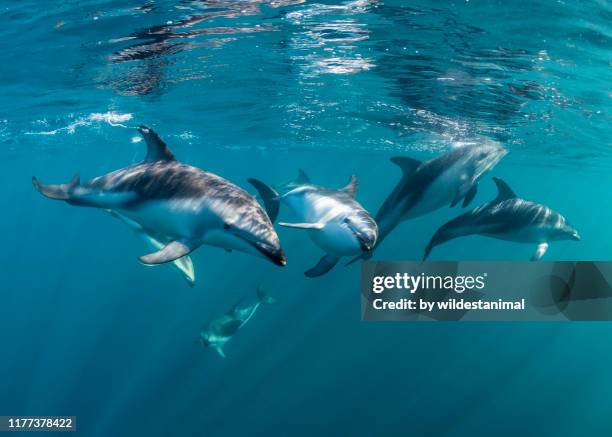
(220,331)
(509,218)
(431,185)
(178,206)
(335,221)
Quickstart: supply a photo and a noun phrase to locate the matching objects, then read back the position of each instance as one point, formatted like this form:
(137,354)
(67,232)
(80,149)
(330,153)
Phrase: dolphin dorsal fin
(503,190)
(351,187)
(157,149)
(408,165)
(302,177)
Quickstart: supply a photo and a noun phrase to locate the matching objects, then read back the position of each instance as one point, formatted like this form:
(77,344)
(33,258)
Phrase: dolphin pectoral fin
(351,187)
(408,165)
(219,350)
(464,191)
(315,226)
(540,251)
(428,249)
(354,260)
(455,200)
(364,256)
(325,264)
(268,196)
(157,149)
(470,195)
(57,192)
(185,266)
(170,252)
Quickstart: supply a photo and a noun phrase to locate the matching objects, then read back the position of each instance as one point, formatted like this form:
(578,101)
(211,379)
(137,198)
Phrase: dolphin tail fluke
(58,192)
(269,197)
(264,297)
(325,264)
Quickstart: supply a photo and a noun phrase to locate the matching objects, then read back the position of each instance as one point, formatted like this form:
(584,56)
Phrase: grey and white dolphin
(335,221)
(431,185)
(221,330)
(177,205)
(509,218)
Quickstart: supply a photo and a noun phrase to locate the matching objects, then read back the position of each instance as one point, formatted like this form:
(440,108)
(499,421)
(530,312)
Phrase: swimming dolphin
(510,218)
(431,185)
(221,330)
(184,205)
(335,221)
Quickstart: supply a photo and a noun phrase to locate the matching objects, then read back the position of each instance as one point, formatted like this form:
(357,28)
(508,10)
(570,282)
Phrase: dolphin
(221,330)
(509,218)
(431,185)
(335,221)
(178,206)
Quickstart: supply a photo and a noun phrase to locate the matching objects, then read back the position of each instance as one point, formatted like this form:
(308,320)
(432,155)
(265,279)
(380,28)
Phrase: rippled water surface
(260,89)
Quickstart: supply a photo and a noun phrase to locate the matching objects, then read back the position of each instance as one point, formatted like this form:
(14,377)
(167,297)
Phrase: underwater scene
(189,190)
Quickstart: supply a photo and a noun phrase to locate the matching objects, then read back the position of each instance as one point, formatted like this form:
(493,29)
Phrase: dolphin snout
(276,255)
(279,258)
(576,236)
(366,236)
(365,244)
(365,239)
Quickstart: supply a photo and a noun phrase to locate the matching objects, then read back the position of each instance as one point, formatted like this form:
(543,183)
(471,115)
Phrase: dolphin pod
(176,208)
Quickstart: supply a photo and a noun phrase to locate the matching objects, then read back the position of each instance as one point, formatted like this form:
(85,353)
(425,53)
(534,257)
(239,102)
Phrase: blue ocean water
(260,89)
